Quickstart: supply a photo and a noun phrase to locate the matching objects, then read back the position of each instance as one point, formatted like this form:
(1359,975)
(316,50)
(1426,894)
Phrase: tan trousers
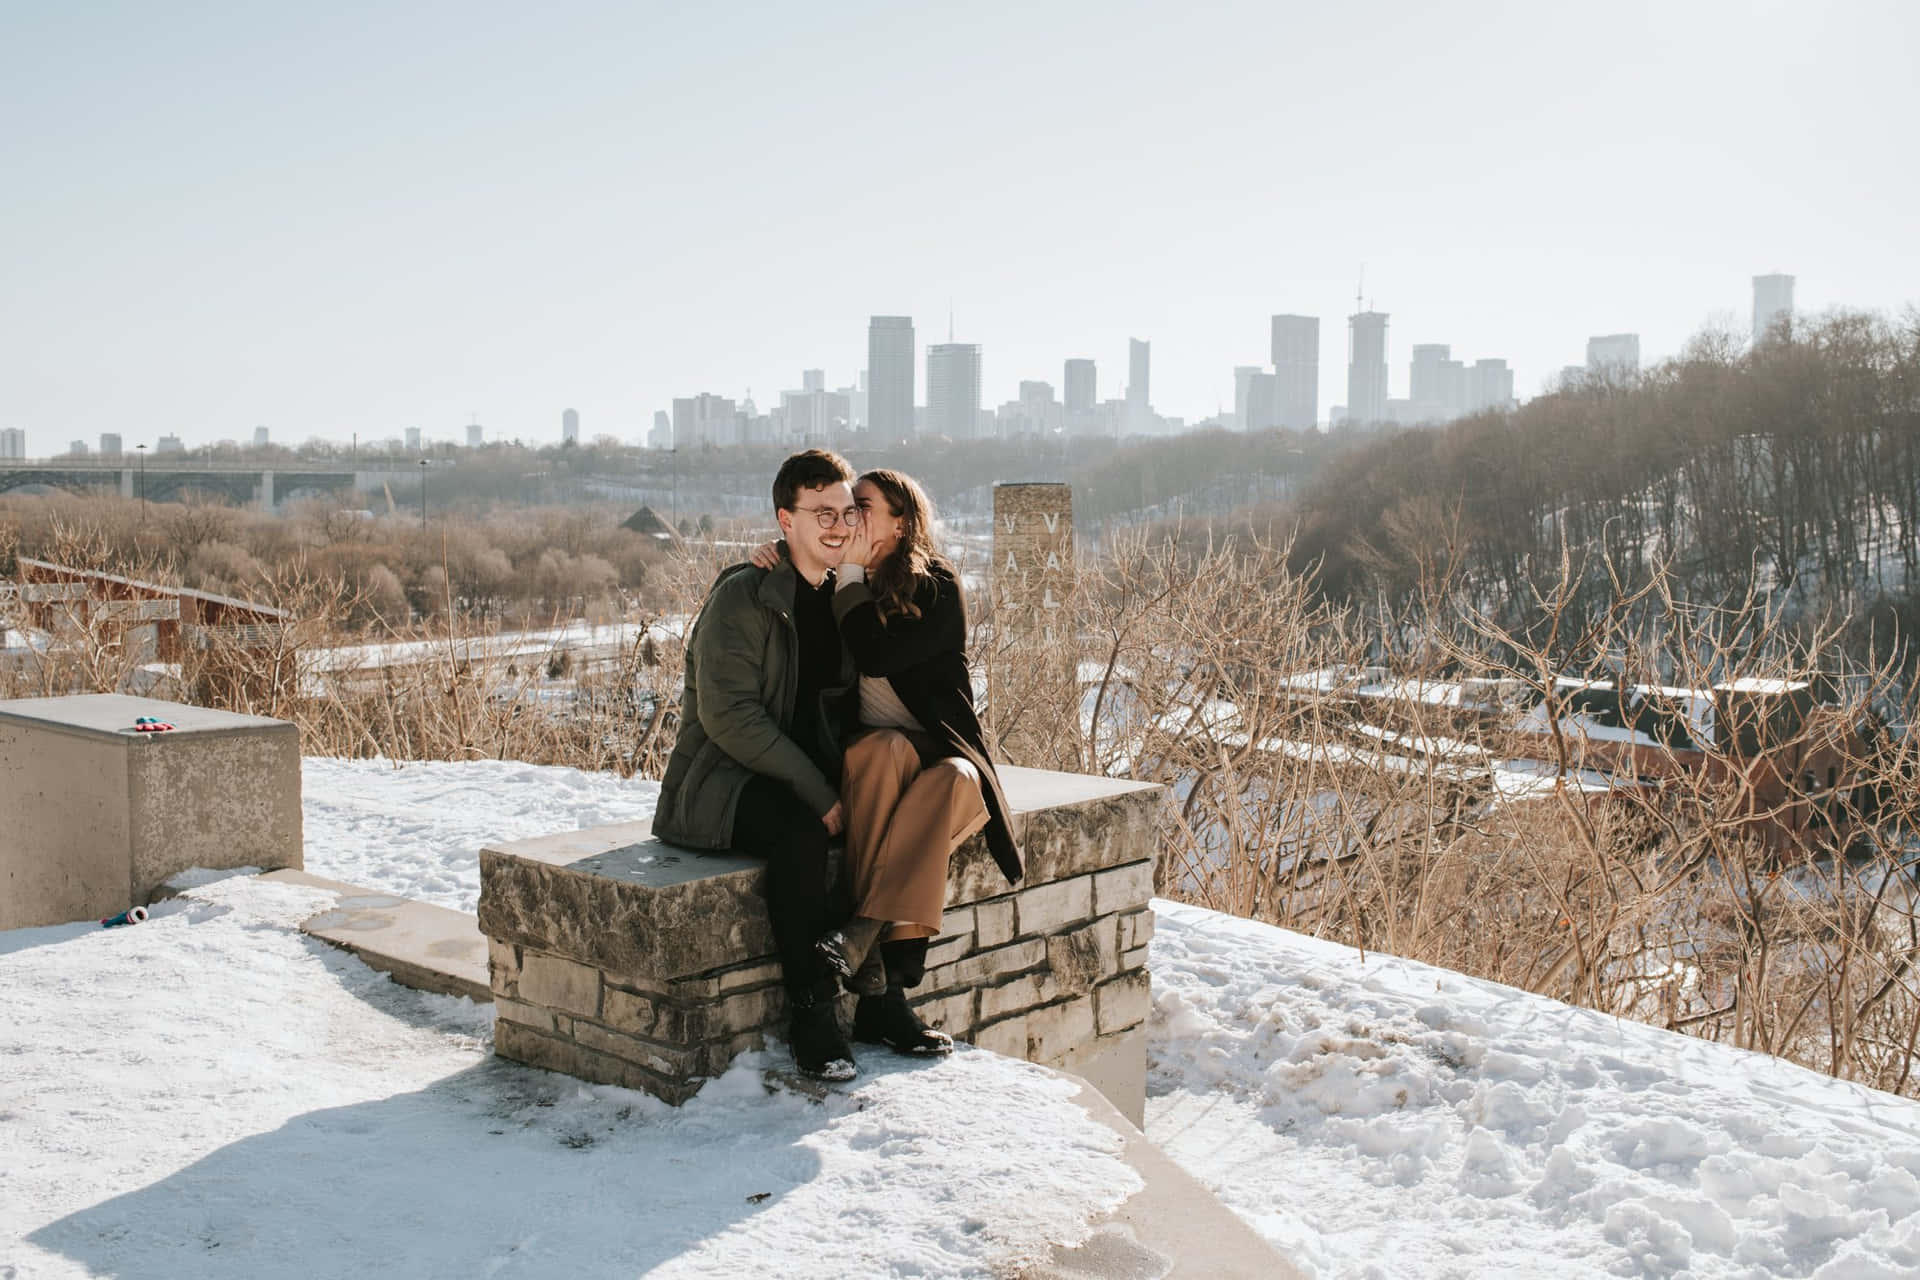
(903,822)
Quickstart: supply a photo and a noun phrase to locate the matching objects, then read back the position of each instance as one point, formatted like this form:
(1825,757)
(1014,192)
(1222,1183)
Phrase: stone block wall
(622,960)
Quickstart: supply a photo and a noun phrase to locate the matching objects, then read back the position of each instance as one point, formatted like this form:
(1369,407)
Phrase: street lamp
(423,495)
(142,451)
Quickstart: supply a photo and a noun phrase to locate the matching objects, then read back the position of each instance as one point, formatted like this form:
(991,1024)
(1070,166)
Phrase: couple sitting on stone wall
(828,692)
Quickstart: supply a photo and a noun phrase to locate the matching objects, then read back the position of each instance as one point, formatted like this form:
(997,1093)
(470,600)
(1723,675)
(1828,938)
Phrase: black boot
(849,950)
(819,1050)
(887,1019)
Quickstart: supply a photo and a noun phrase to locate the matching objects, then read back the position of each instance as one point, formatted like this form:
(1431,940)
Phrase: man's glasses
(830,516)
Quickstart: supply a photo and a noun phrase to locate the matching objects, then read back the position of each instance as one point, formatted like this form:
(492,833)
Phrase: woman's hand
(860,548)
(765,556)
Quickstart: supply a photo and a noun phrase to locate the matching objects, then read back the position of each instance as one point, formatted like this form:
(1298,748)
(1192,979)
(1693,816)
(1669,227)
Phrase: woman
(918,779)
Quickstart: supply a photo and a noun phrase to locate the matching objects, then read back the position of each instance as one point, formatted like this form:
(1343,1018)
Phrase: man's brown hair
(810,469)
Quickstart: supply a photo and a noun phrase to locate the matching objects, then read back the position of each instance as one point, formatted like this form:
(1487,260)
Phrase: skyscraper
(1489,386)
(1772,307)
(259,437)
(110,443)
(1296,369)
(813,379)
(953,389)
(570,426)
(1616,353)
(1139,391)
(13,443)
(474,431)
(413,439)
(1082,386)
(890,377)
(1367,367)
(1436,383)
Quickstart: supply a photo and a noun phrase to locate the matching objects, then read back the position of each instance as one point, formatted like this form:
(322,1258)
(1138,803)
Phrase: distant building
(13,443)
(570,426)
(78,449)
(661,437)
(813,379)
(169,444)
(856,403)
(474,432)
(1139,386)
(412,435)
(1337,416)
(110,444)
(705,419)
(1772,308)
(1489,386)
(1436,384)
(1081,386)
(814,414)
(259,437)
(1614,353)
(953,389)
(1035,413)
(1256,398)
(1367,367)
(890,372)
(1296,370)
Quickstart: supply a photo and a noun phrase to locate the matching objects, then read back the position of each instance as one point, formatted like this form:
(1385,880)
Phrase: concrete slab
(422,946)
(1173,1229)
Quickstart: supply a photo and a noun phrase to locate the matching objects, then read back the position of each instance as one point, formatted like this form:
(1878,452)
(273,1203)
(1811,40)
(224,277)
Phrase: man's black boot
(887,1019)
(819,1050)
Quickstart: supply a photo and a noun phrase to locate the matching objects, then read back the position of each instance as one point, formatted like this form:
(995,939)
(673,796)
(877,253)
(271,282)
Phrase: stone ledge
(419,945)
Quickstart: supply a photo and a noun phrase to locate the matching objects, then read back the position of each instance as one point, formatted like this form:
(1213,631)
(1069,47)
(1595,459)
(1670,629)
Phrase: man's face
(813,548)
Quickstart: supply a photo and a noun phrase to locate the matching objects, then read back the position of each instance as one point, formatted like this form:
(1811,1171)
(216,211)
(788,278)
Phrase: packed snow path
(1375,1117)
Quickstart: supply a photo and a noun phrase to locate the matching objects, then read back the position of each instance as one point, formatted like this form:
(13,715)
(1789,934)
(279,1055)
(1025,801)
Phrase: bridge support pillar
(126,483)
(264,494)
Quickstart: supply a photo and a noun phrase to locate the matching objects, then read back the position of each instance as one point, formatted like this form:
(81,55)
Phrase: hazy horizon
(361,220)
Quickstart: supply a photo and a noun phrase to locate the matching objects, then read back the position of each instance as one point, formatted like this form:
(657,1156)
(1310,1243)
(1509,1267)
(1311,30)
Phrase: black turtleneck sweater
(818,661)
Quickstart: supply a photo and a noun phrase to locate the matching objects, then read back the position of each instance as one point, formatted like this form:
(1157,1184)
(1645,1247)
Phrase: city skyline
(316,220)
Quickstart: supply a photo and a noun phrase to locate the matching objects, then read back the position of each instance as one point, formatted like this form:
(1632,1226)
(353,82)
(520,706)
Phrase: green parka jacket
(738,708)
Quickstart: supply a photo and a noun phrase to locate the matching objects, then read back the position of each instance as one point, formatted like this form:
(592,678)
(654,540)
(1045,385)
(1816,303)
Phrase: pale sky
(362,217)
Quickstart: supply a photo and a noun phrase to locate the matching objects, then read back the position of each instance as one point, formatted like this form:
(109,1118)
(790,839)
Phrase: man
(756,767)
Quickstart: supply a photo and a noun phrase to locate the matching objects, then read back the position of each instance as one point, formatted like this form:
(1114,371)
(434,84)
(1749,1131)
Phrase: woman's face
(883,527)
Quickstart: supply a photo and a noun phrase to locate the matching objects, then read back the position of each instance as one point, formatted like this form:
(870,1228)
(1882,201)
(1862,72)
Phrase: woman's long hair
(893,580)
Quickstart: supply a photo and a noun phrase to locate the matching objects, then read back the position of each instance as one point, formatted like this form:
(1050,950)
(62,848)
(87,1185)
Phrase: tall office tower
(473,435)
(570,426)
(1296,370)
(13,443)
(259,437)
(169,444)
(890,369)
(1772,307)
(78,449)
(1243,376)
(1082,386)
(813,379)
(953,389)
(706,419)
(1256,398)
(413,439)
(110,443)
(1139,390)
(1366,367)
(1616,353)
(1433,383)
(1489,385)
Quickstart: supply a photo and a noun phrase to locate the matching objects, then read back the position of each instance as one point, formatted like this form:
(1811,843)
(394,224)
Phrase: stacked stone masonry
(622,960)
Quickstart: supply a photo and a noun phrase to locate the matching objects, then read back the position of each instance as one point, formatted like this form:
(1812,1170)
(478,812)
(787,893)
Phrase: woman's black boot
(888,1019)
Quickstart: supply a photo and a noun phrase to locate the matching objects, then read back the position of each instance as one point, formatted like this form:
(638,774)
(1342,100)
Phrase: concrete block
(503,968)
(1125,1002)
(1056,1030)
(1008,1036)
(559,984)
(1017,995)
(1138,929)
(98,816)
(1122,889)
(525,1014)
(984,966)
(417,944)
(1082,957)
(1048,908)
(993,922)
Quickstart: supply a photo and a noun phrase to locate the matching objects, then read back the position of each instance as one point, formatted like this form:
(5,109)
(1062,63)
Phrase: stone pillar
(1031,691)
(1033,571)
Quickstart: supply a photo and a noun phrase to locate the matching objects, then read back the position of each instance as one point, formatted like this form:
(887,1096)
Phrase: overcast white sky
(360,217)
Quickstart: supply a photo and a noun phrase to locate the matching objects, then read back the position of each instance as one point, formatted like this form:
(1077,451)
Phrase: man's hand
(835,819)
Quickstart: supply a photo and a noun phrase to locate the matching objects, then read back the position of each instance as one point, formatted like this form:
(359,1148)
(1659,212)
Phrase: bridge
(168,479)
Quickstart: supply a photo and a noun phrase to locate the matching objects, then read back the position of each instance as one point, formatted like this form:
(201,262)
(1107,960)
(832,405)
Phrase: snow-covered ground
(213,1094)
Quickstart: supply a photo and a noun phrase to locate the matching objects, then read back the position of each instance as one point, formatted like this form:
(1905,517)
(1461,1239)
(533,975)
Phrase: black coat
(925,660)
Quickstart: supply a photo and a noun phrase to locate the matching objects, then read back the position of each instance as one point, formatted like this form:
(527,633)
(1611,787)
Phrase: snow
(213,1094)
(415,829)
(1375,1117)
